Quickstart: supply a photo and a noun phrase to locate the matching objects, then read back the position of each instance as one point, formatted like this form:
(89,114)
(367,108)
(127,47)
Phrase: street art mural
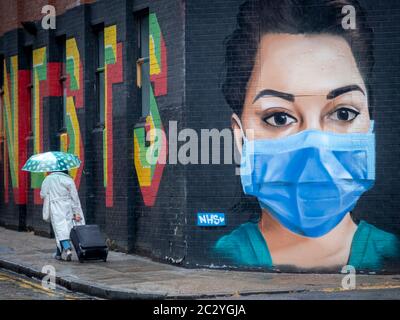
(291,85)
(158,57)
(113,74)
(71,141)
(15,126)
(149,173)
(45,84)
(298,83)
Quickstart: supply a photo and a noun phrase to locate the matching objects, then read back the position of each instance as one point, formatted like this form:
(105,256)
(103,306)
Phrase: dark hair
(258,17)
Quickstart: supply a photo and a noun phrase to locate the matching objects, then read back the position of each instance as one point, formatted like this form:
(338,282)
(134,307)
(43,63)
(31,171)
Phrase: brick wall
(216,188)
(152,209)
(110,193)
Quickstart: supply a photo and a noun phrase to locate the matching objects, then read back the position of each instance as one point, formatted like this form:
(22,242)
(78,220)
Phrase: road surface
(18,287)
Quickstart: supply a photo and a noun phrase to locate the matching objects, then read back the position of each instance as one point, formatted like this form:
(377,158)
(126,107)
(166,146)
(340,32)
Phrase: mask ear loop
(246,166)
(239,123)
(244,139)
(372,126)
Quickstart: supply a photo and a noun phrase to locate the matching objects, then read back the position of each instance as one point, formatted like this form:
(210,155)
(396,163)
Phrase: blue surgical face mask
(310,180)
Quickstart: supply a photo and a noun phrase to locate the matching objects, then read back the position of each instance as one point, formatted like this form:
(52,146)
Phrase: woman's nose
(310,109)
(311,123)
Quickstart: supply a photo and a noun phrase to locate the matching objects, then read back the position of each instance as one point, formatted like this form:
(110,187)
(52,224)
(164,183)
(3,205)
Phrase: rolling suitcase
(89,243)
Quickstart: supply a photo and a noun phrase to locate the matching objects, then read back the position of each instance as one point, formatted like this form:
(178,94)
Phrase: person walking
(61,207)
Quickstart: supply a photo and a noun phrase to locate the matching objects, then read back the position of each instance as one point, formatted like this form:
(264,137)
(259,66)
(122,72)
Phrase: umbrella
(51,161)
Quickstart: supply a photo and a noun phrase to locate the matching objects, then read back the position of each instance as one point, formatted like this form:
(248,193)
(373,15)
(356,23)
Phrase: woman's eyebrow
(290,97)
(342,90)
(273,93)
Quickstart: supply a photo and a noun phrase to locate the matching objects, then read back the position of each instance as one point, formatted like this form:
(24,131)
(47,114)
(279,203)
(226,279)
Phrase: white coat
(61,202)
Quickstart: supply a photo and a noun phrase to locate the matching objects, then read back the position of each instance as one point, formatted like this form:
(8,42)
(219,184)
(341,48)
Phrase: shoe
(68,255)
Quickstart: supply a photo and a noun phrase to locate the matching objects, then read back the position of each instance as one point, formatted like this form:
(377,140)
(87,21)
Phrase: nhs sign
(214,219)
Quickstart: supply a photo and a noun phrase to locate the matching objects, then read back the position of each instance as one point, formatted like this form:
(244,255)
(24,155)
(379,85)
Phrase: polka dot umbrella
(51,161)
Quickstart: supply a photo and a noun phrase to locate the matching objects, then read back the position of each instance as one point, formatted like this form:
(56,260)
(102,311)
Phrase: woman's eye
(344,114)
(279,119)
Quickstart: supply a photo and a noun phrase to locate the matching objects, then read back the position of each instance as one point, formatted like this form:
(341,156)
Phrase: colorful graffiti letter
(149,174)
(113,74)
(16,122)
(45,84)
(39,74)
(72,140)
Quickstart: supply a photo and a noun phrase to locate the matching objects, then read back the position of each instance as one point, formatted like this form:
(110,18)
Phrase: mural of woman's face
(302,82)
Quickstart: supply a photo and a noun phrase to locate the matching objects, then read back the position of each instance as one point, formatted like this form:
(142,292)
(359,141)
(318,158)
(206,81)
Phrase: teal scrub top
(370,247)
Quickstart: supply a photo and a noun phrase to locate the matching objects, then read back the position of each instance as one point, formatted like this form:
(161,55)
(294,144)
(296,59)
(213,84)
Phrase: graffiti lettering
(44,85)
(113,74)
(149,173)
(211,219)
(15,118)
(72,141)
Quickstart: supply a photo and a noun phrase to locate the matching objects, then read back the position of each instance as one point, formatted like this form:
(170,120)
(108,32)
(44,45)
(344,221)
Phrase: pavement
(127,276)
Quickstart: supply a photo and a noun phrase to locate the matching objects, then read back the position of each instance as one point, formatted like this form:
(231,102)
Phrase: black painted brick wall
(194,31)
